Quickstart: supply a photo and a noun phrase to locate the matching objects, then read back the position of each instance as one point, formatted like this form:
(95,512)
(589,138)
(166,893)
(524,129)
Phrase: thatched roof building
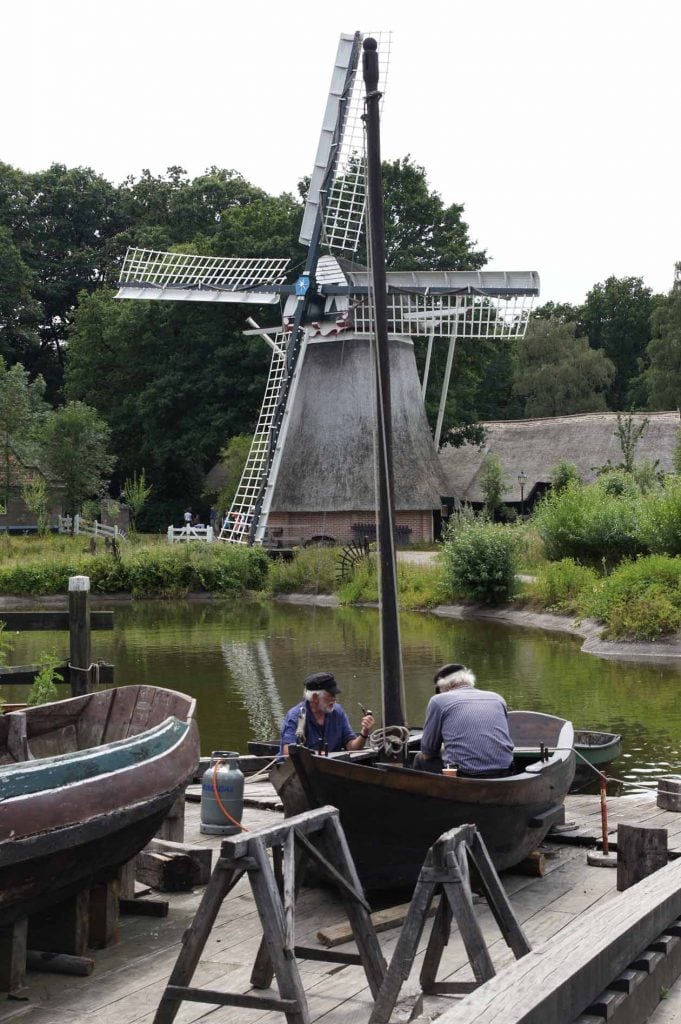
(535,447)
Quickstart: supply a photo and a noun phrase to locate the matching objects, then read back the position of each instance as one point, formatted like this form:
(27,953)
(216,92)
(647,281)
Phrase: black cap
(322,681)
(447,670)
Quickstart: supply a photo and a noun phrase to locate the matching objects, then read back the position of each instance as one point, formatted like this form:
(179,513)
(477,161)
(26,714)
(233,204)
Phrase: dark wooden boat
(392,814)
(84,785)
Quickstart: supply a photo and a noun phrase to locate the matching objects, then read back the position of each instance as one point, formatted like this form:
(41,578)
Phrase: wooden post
(79,630)
(13,956)
(63,928)
(170,534)
(640,852)
(104,915)
(604,813)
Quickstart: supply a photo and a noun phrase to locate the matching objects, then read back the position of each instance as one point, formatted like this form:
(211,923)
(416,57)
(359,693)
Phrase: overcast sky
(555,125)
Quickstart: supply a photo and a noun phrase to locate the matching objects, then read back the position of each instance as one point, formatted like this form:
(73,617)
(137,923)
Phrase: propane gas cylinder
(224,776)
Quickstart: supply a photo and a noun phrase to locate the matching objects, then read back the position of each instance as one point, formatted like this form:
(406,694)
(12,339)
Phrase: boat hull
(70,820)
(391,815)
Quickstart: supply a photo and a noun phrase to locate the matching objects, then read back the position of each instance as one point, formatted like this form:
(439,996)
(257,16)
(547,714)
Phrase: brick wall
(299,527)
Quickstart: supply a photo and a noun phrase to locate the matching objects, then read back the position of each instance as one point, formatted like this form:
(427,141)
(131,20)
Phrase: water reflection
(245,663)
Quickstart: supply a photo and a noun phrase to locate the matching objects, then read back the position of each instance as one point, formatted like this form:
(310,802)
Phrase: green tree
(233,459)
(136,494)
(22,415)
(35,498)
(562,474)
(492,484)
(663,375)
(629,432)
(19,310)
(558,373)
(616,317)
(76,450)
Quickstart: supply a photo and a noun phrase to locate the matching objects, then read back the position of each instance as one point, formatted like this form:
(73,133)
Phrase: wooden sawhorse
(445,871)
(314,836)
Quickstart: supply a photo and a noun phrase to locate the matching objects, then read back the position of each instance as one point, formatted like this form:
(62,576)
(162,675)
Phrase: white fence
(178,534)
(89,527)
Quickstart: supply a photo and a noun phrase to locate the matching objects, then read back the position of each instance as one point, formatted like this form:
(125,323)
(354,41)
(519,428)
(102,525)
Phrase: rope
(93,667)
(257,776)
(219,801)
(392,739)
(602,775)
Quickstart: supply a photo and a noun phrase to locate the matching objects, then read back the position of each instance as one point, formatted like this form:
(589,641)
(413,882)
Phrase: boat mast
(392,682)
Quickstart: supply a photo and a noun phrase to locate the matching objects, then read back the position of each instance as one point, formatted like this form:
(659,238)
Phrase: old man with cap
(321,724)
(465,727)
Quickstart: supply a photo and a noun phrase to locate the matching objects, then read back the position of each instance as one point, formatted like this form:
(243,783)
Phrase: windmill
(312,450)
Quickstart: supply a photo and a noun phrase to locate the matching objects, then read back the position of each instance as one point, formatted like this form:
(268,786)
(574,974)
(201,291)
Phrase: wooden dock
(129,977)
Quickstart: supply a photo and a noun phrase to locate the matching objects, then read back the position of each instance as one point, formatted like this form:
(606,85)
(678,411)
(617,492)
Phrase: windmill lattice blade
(343,200)
(151,274)
(236,528)
(464,304)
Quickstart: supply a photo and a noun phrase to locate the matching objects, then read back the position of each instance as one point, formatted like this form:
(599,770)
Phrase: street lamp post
(522,480)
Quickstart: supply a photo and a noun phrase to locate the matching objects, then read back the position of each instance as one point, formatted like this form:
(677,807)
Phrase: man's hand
(367,724)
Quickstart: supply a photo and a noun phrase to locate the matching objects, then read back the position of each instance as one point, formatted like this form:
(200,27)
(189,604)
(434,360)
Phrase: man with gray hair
(471,725)
(321,724)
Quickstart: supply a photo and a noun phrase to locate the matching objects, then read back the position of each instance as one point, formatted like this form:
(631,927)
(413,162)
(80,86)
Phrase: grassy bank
(146,567)
(640,599)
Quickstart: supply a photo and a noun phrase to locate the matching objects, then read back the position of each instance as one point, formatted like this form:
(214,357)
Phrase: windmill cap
(322,681)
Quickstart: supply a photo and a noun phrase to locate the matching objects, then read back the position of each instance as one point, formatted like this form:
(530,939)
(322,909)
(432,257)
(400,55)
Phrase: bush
(661,519)
(560,585)
(311,571)
(641,600)
(144,571)
(590,524)
(479,562)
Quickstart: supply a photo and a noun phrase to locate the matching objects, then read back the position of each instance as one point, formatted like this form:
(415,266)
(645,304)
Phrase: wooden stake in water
(604,813)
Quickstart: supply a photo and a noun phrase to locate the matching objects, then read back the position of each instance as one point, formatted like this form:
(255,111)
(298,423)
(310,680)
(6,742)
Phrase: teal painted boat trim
(44,774)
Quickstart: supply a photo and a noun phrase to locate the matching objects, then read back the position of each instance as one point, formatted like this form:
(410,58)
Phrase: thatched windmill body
(310,471)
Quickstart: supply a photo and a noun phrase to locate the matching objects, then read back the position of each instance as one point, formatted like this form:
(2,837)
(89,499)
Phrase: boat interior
(88,721)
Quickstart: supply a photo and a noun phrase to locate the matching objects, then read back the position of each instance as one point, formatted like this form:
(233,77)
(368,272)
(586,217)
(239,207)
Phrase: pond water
(245,663)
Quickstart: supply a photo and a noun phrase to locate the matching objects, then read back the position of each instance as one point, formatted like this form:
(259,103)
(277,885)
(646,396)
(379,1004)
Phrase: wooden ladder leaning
(315,836)
(445,872)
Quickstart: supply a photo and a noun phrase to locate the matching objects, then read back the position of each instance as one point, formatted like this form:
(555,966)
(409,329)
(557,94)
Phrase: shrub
(311,571)
(589,524)
(560,585)
(640,600)
(563,474)
(661,519)
(480,563)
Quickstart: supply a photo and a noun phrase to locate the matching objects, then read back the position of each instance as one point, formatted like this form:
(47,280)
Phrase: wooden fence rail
(89,528)
(180,534)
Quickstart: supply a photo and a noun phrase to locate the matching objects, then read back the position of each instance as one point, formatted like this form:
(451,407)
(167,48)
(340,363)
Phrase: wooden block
(144,908)
(202,855)
(104,915)
(59,963)
(172,826)
(606,1004)
(669,793)
(126,879)
(382,920)
(640,852)
(64,928)
(13,957)
(169,872)
(533,865)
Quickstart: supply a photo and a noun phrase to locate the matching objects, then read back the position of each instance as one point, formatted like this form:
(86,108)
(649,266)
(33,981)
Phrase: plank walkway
(129,977)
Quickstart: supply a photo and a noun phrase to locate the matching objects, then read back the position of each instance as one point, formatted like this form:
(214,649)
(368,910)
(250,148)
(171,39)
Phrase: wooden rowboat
(405,811)
(84,785)
(593,750)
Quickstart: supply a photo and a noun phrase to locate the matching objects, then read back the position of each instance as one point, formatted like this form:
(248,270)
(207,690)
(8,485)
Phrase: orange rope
(220,803)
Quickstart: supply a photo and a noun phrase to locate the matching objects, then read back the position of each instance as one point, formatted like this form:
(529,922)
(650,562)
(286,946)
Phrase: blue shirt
(472,725)
(335,731)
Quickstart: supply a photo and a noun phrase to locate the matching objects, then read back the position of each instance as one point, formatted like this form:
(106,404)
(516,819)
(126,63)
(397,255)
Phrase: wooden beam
(561,977)
(37,620)
(19,675)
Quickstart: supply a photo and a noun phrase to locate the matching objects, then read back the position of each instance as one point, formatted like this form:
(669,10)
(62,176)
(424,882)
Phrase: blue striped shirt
(472,725)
